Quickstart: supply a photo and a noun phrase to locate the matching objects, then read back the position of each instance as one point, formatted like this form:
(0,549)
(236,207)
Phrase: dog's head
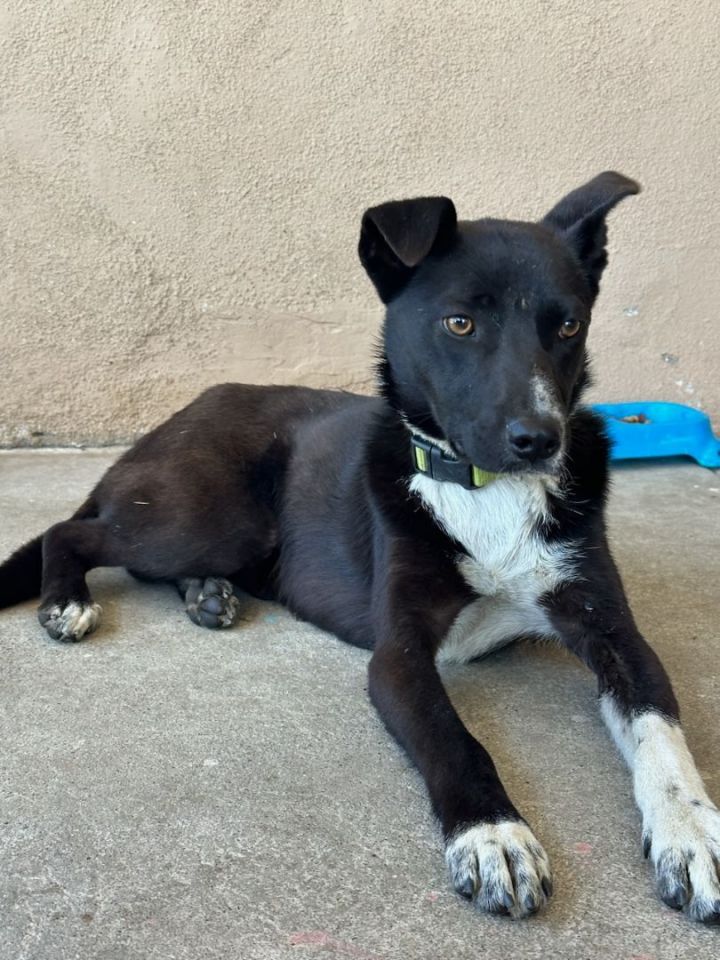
(484,338)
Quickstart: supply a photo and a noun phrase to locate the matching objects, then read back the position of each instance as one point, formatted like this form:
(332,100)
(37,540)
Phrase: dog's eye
(459,325)
(569,328)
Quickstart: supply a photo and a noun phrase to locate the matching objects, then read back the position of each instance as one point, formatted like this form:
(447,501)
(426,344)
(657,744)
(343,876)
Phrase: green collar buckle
(432,461)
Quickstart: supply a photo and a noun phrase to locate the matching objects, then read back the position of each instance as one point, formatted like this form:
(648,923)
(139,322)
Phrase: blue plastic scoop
(642,430)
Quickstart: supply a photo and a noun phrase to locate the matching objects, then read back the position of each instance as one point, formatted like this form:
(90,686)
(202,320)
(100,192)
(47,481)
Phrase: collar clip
(432,461)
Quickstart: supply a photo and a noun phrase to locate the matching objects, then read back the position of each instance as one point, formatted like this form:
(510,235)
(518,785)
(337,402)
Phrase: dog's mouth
(516,450)
(550,467)
(457,450)
(499,461)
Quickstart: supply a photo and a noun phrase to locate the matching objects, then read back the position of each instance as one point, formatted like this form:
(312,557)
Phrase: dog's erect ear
(580,218)
(396,236)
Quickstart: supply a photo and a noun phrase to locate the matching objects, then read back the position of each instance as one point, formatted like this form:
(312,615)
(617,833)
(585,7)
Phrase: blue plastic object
(660,430)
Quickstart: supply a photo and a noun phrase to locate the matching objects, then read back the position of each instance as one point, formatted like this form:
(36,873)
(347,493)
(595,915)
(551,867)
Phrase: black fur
(302,495)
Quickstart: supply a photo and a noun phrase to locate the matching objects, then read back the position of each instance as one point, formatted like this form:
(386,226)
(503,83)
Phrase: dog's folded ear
(580,218)
(396,236)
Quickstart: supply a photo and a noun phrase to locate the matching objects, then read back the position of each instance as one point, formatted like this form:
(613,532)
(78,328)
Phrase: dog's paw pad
(501,866)
(684,844)
(70,621)
(212,603)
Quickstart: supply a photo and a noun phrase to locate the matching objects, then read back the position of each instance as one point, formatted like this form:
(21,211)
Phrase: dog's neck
(435,458)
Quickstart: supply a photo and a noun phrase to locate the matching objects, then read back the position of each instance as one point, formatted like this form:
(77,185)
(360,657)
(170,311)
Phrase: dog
(458,510)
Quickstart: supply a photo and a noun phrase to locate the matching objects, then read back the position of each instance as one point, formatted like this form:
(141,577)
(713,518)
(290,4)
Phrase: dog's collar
(432,461)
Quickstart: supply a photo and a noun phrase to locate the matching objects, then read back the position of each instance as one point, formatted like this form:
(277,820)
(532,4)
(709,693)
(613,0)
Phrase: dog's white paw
(71,621)
(682,837)
(501,866)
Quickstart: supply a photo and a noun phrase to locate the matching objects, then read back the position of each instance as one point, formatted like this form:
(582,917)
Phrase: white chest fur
(508,564)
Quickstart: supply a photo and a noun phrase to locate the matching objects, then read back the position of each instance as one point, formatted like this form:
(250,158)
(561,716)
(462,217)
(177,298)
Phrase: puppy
(460,509)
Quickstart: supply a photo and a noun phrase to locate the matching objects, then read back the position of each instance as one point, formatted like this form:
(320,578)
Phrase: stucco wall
(181,183)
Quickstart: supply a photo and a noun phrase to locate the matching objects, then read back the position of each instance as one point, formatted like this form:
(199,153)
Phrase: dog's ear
(580,219)
(396,236)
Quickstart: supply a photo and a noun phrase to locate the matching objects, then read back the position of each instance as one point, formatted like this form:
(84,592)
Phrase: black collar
(433,461)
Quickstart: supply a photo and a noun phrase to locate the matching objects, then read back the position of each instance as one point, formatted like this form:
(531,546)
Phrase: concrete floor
(167,792)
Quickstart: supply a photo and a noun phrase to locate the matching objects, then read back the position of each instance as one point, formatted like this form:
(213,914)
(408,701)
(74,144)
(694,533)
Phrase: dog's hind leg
(70,549)
(209,601)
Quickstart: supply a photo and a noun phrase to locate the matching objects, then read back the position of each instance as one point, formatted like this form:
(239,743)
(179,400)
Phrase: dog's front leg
(492,855)
(681,826)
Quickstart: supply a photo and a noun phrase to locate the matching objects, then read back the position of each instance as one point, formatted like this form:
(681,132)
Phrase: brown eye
(569,328)
(459,326)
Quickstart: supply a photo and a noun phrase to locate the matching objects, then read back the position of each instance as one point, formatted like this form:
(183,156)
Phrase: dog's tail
(21,574)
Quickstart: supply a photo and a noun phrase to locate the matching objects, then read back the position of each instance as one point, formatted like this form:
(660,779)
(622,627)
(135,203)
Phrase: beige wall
(181,183)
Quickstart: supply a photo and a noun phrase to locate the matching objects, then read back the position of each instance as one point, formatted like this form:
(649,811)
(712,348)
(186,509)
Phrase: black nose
(532,439)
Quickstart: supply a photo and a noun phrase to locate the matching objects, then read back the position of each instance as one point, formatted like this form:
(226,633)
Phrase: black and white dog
(459,510)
